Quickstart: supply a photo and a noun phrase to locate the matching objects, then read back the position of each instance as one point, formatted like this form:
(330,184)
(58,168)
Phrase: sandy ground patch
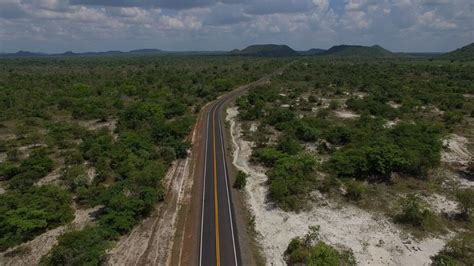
(111,125)
(456,152)
(392,123)
(2,190)
(31,146)
(394,104)
(311,147)
(97,124)
(91,172)
(456,179)
(3,157)
(253,127)
(51,178)
(374,239)
(346,114)
(360,95)
(441,204)
(30,253)
(7,136)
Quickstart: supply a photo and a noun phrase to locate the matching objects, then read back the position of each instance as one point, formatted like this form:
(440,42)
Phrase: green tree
(240,180)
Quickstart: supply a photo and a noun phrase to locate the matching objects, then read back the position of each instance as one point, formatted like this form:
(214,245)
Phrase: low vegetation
(458,251)
(370,132)
(240,180)
(416,212)
(311,250)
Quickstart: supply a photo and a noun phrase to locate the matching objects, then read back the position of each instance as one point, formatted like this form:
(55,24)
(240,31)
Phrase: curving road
(218,241)
(218,234)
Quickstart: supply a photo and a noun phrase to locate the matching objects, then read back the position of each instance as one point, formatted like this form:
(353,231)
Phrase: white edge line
(227,186)
(204,187)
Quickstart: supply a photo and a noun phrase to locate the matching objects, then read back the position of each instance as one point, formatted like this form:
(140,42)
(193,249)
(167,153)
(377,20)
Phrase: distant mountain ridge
(465,53)
(338,50)
(312,51)
(271,50)
(266,50)
(22,53)
(358,50)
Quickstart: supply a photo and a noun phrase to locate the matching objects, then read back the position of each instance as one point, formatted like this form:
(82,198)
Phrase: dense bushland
(25,214)
(128,118)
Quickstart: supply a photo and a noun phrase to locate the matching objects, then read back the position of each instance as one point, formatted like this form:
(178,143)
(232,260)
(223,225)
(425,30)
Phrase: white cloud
(58,25)
(431,20)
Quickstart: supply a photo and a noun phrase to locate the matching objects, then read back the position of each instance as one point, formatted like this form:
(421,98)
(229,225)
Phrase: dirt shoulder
(154,240)
(186,240)
(250,249)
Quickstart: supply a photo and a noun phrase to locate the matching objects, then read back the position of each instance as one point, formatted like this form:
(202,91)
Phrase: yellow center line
(216,206)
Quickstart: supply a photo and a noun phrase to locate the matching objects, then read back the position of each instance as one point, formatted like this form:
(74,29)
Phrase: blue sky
(98,25)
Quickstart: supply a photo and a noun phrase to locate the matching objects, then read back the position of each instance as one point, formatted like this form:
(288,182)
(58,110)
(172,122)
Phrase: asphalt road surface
(218,240)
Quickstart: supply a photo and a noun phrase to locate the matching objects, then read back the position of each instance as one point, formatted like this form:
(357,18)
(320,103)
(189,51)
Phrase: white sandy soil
(97,124)
(346,114)
(373,239)
(51,178)
(31,146)
(441,204)
(456,151)
(253,127)
(394,104)
(360,95)
(392,123)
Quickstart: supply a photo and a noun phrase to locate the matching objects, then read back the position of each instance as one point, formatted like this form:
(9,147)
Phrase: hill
(358,50)
(312,51)
(266,50)
(22,53)
(146,51)
(465,53)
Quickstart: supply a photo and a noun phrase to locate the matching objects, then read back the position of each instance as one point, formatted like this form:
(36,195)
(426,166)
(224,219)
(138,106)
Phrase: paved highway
(219,244)
(218,239)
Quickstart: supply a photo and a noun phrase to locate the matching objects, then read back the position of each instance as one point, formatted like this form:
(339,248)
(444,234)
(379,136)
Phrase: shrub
(466,200)
(310,250)
(458,251)
(289,145)
(240,180)
(73,157)
(408,149)
(415,212)
(75,177)
(355,190)
(267,156)
(291,180)
(333,105)
(85,247)
(37,165)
